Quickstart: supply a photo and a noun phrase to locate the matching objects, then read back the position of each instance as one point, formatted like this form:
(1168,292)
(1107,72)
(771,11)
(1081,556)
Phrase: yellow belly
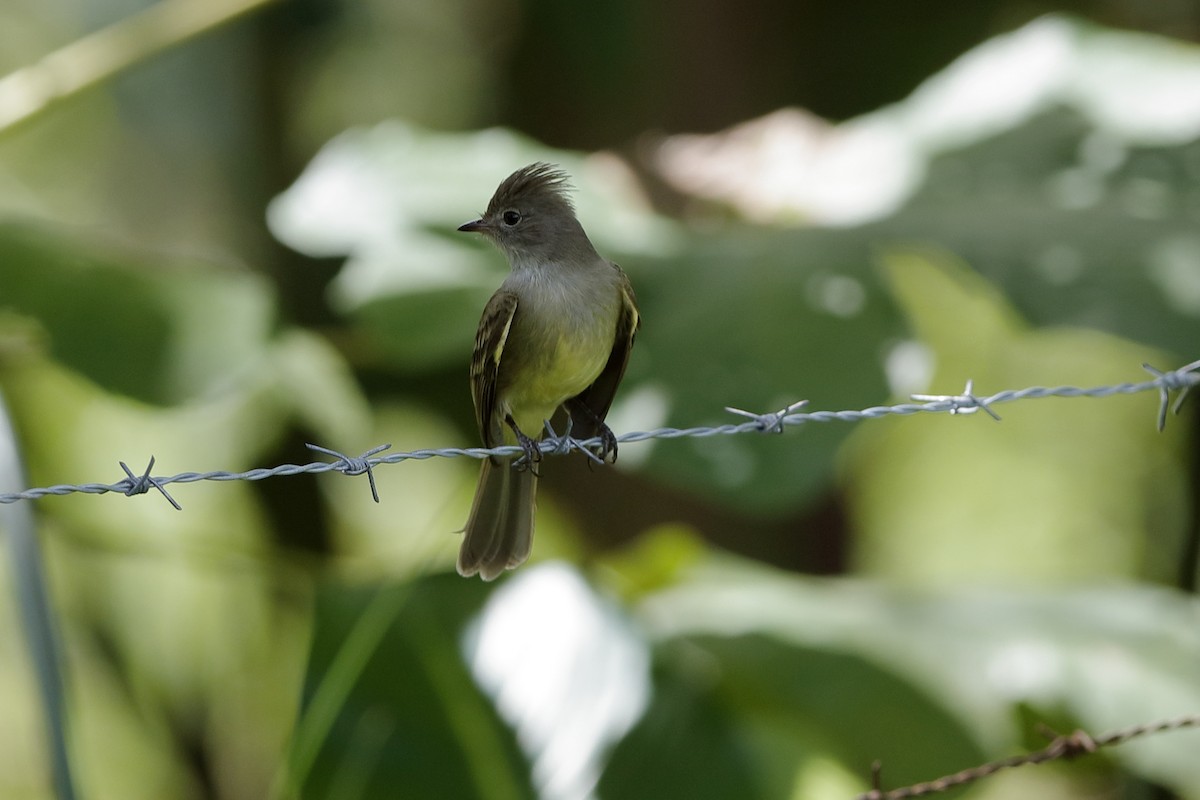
(553,379)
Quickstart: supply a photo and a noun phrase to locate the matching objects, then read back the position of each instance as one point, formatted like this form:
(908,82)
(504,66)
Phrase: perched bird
(557,332)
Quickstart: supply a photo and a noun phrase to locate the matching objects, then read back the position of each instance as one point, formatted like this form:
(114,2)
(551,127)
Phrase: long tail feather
(499,531)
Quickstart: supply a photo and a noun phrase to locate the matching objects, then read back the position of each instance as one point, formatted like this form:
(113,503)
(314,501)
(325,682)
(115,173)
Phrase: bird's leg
(532,455)
(608,440)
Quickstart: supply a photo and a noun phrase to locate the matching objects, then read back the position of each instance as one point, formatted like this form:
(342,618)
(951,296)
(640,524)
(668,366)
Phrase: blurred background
(227,229)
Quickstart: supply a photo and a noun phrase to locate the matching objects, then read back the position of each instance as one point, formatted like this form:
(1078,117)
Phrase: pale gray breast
(564,316)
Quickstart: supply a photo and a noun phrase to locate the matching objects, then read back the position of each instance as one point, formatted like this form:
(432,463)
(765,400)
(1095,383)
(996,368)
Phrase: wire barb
(771,422)
(140,484)
(965,403)
(566,443)
(876,781)
(355,465)
(1181,380)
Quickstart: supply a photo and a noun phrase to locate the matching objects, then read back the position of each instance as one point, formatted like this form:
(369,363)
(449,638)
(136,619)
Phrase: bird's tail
(499,532)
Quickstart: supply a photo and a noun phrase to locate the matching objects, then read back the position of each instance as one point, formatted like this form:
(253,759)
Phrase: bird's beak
(474,226)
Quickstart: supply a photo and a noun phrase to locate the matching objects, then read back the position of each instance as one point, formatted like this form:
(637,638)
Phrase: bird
(557,332)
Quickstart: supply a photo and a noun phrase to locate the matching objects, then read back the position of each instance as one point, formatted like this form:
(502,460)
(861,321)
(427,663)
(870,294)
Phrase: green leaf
(687,745)
(158,333)
(841,705)
(758,320)
(389,701)
(938,500)
(967,659)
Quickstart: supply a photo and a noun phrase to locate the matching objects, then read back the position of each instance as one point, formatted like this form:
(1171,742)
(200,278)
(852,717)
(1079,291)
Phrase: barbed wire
(1179,382)
(1064,746)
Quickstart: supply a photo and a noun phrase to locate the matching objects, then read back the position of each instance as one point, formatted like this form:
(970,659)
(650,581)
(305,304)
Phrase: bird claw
(531,454)
(608,444)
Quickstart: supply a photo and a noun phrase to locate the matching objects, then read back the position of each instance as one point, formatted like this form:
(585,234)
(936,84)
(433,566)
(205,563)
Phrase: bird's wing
(485,363)
(599,396)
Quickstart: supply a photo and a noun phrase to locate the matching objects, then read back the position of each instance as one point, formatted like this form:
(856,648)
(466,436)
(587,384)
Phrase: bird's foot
(608,440)
(608,444)
(531,454)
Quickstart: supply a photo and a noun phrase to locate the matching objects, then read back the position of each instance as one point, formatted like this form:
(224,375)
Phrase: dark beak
(474,226)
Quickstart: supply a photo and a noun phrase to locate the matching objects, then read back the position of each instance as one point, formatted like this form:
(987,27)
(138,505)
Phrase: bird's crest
(538,180)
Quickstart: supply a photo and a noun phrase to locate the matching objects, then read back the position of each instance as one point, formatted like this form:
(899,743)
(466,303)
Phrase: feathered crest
(539,180)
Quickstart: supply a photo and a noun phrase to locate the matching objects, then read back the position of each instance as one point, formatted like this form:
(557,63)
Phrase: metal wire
(1066,746)
(1179,382)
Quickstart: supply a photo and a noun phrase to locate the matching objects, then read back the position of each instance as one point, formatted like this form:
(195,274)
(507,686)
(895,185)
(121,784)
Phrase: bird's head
(531,217)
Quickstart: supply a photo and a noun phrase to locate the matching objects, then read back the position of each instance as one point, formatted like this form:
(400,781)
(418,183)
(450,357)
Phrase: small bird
(557,332)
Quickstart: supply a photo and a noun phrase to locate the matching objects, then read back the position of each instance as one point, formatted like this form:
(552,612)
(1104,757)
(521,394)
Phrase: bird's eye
(511,217)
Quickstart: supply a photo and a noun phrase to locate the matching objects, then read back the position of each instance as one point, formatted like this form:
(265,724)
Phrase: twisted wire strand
(1179,381)
(1061,747)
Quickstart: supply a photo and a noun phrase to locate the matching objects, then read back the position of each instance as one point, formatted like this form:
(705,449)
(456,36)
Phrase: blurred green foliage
(292,639)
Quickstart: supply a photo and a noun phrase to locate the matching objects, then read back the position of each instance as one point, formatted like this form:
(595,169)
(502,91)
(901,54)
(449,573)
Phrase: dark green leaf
(412,721)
